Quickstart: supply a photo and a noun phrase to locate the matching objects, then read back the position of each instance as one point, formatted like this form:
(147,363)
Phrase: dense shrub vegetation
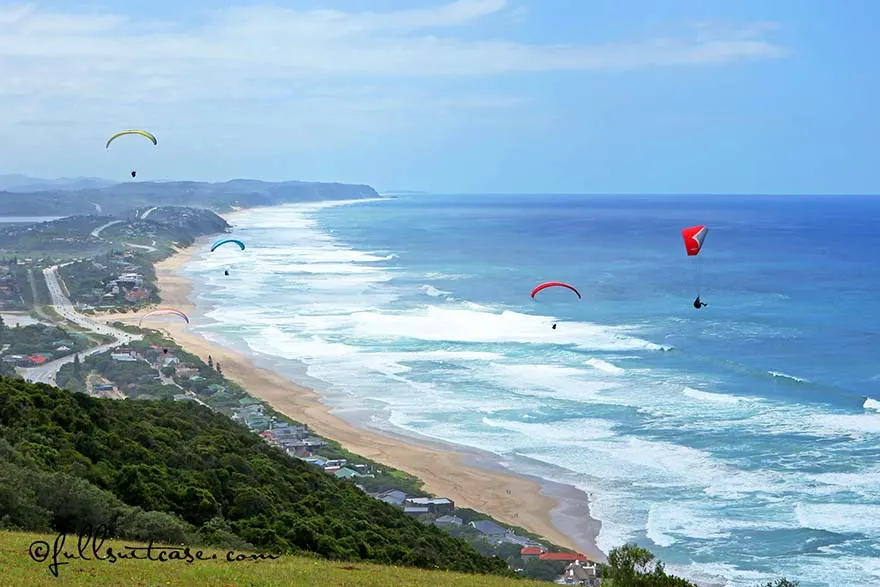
(177,471)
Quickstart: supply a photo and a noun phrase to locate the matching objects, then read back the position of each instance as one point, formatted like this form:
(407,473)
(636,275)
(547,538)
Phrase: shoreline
(472,479)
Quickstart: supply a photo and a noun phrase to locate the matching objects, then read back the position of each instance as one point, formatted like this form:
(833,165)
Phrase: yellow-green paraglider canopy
(143,133)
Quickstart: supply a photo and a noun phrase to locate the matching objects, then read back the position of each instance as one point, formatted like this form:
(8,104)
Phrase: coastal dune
(509,498)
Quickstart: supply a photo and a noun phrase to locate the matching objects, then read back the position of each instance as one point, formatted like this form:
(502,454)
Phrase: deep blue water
(737,442)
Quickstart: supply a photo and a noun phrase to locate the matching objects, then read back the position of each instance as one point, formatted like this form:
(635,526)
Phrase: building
(531,552)
(416,510)
(489,529)
(512,538)
(346,473)
(439,505)
(580,573)
(257,422)
(392,496)
(563,556)
(124,354)
(313,442)
(130,280)
(285,430)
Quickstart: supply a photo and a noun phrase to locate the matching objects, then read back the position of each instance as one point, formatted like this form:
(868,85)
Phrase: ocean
(738,443)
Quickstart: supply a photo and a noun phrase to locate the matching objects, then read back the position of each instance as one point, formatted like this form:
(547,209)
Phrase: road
(147,213)
(144,247)
(64,307)
(46,373)
(97,232)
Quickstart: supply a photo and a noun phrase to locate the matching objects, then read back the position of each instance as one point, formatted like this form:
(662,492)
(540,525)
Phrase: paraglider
(164,311)
(143,133)
(224,241)
(694,237)
(149,136)
(554,284)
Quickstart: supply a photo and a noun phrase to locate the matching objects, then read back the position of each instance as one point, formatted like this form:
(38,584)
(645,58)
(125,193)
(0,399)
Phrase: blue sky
(623,96)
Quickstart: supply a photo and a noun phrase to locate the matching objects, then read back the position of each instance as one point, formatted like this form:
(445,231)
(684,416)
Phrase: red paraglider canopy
(693,239)
(555,284)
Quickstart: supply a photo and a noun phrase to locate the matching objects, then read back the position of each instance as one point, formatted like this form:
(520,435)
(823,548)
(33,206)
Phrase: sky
(466,96)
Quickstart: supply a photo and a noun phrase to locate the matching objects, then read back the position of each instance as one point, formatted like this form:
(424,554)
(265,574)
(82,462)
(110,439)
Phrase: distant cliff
(219,197)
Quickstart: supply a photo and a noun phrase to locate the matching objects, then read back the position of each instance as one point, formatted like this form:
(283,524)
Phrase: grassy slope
(18,568)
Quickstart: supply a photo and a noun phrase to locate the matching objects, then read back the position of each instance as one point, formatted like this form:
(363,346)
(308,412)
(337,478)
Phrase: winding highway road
(97,232)
(63,306)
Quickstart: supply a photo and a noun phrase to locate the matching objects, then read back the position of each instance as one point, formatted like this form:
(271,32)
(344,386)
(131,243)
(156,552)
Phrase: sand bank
(445,472)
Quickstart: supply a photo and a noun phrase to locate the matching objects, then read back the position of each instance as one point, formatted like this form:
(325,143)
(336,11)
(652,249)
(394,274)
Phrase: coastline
(557,512)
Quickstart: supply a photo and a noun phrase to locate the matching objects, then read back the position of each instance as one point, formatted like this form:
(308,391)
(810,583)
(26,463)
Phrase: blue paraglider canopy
(222,242)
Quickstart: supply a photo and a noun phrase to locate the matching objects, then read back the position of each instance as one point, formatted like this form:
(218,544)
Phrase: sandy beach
(444,472)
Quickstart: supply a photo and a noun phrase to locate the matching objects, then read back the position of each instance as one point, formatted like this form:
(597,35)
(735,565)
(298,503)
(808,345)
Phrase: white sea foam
(432,291)
(707,396)
(840,517)
(853,425)
(505,382)
(787,376)
(605,366)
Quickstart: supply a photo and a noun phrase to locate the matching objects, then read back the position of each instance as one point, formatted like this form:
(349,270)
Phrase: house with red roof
(528,552)
(37,359)
(562,556)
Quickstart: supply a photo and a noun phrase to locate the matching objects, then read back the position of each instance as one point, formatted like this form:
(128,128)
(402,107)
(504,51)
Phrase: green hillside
(19,568)
(179,473)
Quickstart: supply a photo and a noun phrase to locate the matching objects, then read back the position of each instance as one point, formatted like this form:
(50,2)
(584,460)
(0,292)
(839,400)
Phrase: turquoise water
(738,442)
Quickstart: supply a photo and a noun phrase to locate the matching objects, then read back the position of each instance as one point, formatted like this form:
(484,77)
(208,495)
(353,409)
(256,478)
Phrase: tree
(780,583)
(77,366)
(634,566)
(210,362)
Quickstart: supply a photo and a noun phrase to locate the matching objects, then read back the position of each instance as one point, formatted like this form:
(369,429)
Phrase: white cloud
(245,51)
(264,82)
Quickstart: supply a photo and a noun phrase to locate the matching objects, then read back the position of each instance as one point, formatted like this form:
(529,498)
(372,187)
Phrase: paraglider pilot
(134,173)
(699,304)
(226,272)
(554,327)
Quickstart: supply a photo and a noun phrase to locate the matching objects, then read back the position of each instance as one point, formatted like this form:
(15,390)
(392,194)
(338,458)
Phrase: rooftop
(562,556)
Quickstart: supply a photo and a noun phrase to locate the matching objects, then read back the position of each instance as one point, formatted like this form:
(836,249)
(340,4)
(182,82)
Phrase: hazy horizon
(39,180)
